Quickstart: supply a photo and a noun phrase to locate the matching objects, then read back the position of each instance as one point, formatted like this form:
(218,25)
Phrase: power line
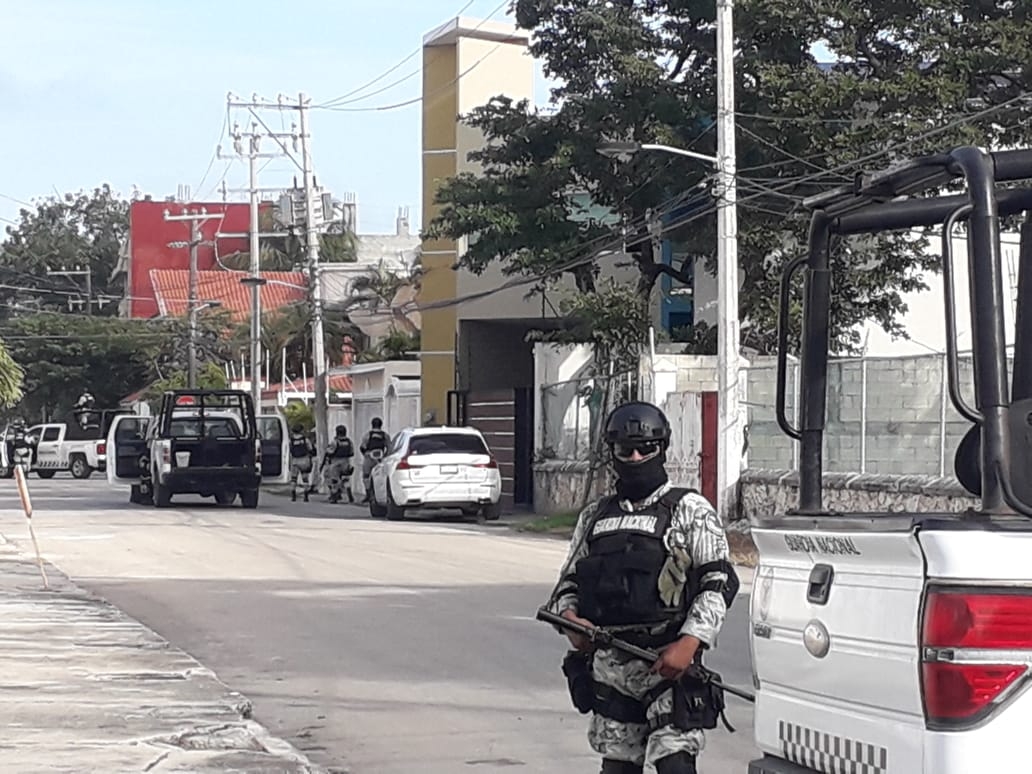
(709,209)
(341,99)
(414,100)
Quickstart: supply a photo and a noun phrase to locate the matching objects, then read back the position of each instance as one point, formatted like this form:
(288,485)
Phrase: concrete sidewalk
(85,688)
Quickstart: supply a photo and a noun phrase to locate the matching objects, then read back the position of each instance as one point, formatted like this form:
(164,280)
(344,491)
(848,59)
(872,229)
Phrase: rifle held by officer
(601,637)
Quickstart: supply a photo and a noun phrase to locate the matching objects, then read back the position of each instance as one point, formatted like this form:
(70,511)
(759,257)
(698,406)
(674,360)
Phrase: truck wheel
(225,497)
(137,497)
(80,467)
(162,495)
(249,498)
(46,473)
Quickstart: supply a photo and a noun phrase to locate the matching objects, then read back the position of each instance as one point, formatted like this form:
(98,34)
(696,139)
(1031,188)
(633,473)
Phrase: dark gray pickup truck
(202,442)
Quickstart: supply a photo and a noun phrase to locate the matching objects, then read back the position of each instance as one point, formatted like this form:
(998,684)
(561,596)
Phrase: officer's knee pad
(610,766)
(678,763)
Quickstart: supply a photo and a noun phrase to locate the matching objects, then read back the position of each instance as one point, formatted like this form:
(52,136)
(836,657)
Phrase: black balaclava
(637,480)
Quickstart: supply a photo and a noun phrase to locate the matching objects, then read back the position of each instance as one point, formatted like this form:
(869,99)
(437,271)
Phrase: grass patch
(559,522)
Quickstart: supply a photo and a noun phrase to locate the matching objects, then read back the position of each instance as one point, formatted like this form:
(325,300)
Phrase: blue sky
(133,93)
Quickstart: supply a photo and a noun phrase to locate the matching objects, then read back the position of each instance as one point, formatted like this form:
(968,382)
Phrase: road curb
(78,652)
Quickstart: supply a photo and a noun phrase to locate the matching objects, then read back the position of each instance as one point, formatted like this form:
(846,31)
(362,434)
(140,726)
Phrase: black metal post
(814,366)
(1021,386)
(989,334)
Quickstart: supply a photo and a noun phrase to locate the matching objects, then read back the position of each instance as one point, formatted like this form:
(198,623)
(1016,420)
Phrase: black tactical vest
(377,440)
(299,447)
(343,449)
(618,581)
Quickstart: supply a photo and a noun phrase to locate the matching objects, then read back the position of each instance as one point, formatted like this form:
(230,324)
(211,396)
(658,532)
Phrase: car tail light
(491,463)
(962,688)
(101,447)
(403,464)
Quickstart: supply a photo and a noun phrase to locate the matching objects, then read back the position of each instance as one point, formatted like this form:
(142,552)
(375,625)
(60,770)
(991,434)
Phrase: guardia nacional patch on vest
(632,522)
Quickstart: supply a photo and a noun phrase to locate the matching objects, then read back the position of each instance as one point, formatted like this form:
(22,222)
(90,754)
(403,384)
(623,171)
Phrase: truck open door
(275,440)
(126,446)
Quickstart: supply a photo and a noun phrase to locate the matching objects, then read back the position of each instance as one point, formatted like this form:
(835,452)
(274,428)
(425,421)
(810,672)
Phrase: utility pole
(255,281)
(194,219)
(77,272)
(303,105)
(312,239)
(730,442)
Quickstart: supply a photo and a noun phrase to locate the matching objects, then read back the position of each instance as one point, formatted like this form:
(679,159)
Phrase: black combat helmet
(341,430)
(637,422)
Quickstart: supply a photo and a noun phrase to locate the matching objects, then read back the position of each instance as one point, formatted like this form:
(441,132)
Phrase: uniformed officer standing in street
(302,453)
(338,457)
(373,446)
(649,564)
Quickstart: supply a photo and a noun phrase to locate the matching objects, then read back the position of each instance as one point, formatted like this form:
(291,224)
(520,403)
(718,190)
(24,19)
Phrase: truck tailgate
(835,617)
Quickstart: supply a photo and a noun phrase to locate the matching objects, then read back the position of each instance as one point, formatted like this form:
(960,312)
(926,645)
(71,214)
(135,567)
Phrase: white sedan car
(436,467)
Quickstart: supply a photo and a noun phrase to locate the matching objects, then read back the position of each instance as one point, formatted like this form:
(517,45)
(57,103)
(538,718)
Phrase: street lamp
(623,150)
(256,283)
(730,432)
(191,372)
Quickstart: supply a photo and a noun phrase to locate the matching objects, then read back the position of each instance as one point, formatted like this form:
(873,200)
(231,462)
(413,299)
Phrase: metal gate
(692,457)
(505,418)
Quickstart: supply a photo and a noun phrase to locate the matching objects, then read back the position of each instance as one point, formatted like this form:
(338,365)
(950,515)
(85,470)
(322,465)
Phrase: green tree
(289,252)
(12,377)
(62,355)
(210,376)
(77,230)
(396,345)
(910,79)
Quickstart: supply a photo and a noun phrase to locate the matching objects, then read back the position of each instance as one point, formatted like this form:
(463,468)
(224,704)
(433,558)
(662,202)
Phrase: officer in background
(338,457)
(373,446)
(649,564)
(302,452)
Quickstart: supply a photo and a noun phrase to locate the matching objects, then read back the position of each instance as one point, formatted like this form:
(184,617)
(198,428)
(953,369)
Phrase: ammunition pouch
(590,696)
(577,668)
(697,702)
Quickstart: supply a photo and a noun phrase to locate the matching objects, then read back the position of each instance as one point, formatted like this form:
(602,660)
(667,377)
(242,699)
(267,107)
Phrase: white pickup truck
(54,450)
(901,643)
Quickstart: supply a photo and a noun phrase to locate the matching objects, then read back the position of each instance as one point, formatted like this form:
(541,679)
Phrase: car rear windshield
(445,443)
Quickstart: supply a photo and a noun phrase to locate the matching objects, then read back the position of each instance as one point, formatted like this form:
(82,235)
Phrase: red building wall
(150,233)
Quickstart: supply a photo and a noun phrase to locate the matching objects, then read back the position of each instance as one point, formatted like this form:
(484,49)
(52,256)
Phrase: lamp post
(191,375)
(730,439)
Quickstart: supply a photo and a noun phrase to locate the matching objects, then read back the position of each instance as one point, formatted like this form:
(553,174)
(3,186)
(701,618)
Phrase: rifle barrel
(607,639)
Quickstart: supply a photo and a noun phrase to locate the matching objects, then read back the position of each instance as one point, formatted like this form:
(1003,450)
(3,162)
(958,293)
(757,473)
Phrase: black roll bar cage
(886,201)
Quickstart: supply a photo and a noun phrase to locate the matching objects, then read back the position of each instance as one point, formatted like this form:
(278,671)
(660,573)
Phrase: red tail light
(956,691)
(403,464)
(491,463)
(101,447)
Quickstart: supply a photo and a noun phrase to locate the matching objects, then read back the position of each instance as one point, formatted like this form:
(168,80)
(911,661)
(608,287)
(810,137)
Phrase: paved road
(375,647)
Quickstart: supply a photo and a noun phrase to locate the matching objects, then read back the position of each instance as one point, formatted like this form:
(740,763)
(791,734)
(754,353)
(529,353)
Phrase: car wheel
(492,511)
(46,473)
(376,510)
(249,498)
(394,511)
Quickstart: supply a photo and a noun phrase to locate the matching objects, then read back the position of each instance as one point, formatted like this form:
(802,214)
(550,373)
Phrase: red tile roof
(172,287)
(337,383)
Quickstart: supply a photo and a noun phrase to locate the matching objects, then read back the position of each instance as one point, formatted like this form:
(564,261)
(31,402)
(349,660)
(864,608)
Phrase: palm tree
(337,245)
(12,377)
(289,329)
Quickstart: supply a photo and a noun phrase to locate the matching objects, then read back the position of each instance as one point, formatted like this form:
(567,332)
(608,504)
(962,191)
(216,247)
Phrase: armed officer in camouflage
(338,457)
(649,564)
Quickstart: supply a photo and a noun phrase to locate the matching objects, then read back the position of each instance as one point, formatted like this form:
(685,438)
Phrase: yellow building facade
(466,62)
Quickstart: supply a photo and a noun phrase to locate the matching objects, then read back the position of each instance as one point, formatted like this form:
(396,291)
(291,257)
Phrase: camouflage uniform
(339,468)
(695,537)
